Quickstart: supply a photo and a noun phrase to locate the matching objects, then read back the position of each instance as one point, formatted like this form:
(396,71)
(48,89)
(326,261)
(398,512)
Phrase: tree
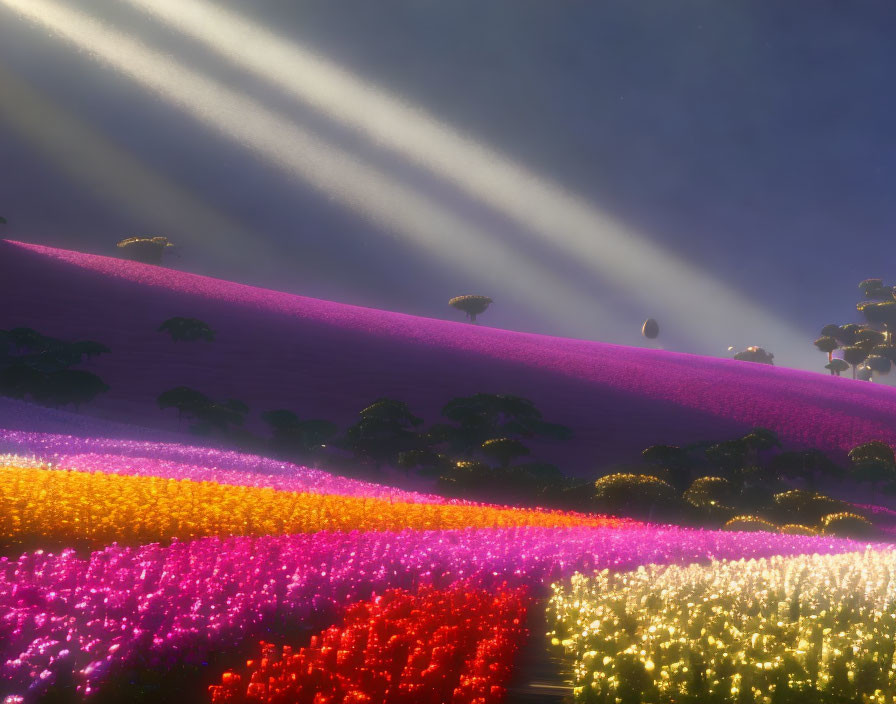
(837,366)
(89,349)
(148,250)
(854,355)
(504,450)
(809,466)
(715,495)
(70,386)
(873,462)
(187,401)
(19,380)
(187,329)
(384,430)
(2,221)
(827,345)
(471,305)
(674,460)
(882,314)
(294,436)
(846,525)
(635,494)
(755,354)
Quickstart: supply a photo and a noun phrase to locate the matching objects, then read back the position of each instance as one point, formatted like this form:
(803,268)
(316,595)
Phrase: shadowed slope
(327,360)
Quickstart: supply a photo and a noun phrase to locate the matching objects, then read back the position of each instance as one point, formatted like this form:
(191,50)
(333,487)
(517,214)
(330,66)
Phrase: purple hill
(329,360)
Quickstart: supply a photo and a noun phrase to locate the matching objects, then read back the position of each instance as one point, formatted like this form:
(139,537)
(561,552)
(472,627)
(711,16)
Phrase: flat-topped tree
(837,366)
(854,355)
(827,345)
(471,305)
(148,250)
(755,354)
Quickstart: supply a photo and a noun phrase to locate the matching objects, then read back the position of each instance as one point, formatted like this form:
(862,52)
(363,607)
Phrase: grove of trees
(38,367)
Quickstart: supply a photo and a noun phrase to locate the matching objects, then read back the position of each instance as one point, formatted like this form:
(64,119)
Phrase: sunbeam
(110,173)
(422,222)
(697,303)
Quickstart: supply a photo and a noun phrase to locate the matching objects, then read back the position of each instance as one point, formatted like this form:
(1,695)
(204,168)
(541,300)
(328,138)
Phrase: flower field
(788,629)
(223,566)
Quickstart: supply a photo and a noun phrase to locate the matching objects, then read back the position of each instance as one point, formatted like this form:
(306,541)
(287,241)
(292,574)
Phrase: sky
(726,168)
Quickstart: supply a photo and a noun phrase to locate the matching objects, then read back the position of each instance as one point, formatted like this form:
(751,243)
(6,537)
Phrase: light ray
(385,201)
(110,173)
(704,306)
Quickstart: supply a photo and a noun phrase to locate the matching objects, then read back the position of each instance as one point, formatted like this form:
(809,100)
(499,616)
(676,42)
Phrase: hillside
(328,360)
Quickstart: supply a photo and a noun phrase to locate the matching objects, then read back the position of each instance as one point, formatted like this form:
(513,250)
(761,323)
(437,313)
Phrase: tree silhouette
(300,437)
(69,386)
(384,430)
(827,345)
(504,450)
(854,355)
(2,221)
(471,305)
(636,494)
(809,466)
(39,366)
(755,354)
(148,250)
(674,460)
(187,329)
(837,366)
(873,462)
(187,401)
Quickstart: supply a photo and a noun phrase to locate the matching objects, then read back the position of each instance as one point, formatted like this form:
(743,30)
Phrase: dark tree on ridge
(187,329)
(471,305)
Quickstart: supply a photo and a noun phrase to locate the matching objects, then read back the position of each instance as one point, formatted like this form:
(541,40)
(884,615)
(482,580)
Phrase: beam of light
(385,201)
(111,174)
(702,306)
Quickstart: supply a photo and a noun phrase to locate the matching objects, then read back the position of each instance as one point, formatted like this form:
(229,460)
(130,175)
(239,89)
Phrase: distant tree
(674,460)
(298,437)
(70,386)
(18,380)
(714,495)
(751,524)
(481,417)
(634,494)
(810,466)
(847,525)
(837,366)
(2,221)
(827,345)
(805,507)
(385,429)
(187,329)
(854,355)
(504,450)
(223,416)
(188,402)
(873,462)
(882,314)
(755,354)
(148,250)
(471,305)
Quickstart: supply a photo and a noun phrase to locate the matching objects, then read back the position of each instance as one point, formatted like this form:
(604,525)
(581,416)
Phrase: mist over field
(731,163)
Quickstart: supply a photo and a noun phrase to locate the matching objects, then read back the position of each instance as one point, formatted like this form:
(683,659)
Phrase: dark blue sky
(755,139)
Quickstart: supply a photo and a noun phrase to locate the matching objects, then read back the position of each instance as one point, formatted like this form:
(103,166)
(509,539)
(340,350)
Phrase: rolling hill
(329,360)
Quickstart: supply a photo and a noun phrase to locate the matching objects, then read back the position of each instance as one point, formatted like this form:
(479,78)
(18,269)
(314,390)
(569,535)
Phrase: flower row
(454,645)
(199,463)
(806,628)
(103,508)
(99,615)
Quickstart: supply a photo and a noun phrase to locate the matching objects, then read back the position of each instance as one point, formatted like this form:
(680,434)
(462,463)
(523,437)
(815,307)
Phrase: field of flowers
(225,577)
